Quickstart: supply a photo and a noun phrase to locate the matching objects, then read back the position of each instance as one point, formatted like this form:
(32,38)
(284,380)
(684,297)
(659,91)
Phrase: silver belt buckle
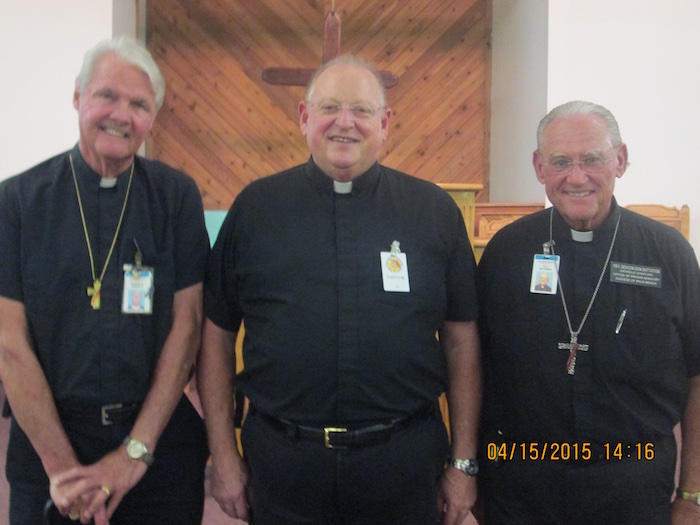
(105,415)
(327,435)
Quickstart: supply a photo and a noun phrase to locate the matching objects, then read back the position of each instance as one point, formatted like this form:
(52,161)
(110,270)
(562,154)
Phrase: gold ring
(105,490)
(74,515)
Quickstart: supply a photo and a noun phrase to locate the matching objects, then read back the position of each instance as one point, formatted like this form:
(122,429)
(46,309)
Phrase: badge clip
(547,247)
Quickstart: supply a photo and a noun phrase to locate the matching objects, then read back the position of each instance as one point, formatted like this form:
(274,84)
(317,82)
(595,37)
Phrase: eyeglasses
(334,109)
(589,164)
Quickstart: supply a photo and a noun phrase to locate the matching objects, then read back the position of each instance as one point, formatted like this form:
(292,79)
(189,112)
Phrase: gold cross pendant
(94,292)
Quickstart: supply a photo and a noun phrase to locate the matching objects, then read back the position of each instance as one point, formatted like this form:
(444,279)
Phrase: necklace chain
(94,290)
(574,335)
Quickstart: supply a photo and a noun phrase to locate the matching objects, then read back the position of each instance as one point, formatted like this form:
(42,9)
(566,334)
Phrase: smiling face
(581,195)
(343,144)
(116,111)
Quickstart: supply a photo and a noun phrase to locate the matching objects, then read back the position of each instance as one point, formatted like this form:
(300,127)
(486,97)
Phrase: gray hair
(346,59)
(130,51)
(580,107)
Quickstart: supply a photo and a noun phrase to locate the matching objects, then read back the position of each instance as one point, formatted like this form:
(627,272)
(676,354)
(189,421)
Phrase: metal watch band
(469,466)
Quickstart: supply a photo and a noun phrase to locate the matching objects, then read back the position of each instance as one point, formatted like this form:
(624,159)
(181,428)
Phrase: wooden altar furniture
(464,194)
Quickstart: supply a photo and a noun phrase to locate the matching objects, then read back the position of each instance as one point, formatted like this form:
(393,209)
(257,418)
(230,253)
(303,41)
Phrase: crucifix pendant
(94,292)
(572,347)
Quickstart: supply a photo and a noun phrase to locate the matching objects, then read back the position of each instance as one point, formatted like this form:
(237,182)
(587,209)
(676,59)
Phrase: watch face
(136,449)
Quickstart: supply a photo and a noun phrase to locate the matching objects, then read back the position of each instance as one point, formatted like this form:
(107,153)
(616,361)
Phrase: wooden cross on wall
(288,76)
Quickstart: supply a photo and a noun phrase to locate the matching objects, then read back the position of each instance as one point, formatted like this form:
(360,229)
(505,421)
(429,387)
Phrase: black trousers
(298,481)
(630,491)
(171,491)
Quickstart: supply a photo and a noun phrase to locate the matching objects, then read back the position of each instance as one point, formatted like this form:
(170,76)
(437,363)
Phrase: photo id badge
(138,290)
(395,272)
(545,276)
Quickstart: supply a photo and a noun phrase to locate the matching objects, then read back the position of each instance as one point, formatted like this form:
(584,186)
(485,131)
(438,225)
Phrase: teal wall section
(213,220)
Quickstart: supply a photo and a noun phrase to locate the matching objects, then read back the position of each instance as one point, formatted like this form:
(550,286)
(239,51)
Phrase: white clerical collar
(582,236)
(108,182)
(342,187)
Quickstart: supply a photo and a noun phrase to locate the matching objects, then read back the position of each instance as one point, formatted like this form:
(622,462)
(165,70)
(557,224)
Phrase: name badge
(395,270)
(635,274)
(138,290)
(545,275)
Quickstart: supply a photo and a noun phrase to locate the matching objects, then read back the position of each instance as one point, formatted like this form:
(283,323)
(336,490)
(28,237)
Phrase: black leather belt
(104,415)
(341,437)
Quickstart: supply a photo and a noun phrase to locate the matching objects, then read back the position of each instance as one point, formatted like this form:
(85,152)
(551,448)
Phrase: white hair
(581,107)
(131,52)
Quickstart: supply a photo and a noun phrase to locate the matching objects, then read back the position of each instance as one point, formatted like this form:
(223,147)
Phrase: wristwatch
(469,466)
(690,496)
(137,450)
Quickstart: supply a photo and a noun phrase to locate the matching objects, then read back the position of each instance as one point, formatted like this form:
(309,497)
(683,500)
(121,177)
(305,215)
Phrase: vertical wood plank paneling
(226,127)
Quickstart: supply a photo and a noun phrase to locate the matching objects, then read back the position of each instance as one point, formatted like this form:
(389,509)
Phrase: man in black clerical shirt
(343,271)
(583,385)
(101,269)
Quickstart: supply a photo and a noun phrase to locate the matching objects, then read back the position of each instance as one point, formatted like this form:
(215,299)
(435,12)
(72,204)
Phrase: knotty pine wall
(225,126)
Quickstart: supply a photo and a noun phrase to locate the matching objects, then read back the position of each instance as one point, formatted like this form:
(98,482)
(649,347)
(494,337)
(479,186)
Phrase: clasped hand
(94,491)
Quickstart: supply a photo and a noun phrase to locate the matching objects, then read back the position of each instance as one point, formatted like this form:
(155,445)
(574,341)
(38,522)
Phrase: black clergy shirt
(629,386)
(300,265)
(97,356)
